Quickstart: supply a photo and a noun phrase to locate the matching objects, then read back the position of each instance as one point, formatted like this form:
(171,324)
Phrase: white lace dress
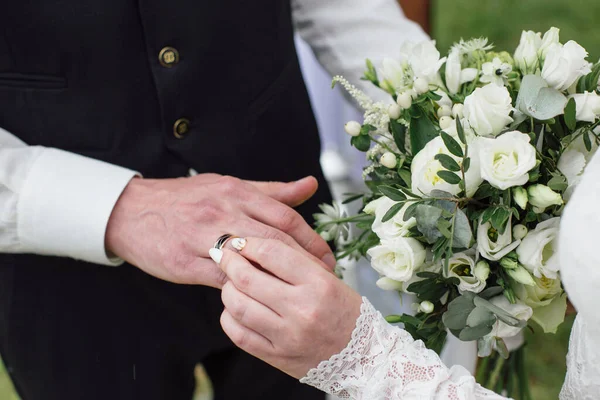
(383,362)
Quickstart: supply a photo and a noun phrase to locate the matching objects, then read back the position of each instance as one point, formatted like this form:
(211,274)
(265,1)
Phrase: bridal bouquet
(469,170)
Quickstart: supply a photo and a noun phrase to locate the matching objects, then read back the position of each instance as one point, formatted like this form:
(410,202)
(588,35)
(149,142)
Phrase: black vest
(98,78)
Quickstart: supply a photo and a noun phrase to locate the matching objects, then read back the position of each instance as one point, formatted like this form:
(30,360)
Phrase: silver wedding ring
(237,243)
(222,241)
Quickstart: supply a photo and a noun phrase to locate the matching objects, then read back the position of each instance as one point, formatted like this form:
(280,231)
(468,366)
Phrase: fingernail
(329,260)
(238,243)
(216,255)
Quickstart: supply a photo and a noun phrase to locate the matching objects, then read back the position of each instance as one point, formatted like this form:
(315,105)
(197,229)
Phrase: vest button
(181,127)
(168,57)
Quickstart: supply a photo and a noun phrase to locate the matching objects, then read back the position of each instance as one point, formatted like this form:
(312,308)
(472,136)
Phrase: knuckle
(208,211)
(229,184)
(267,246)
(242,280)
(289,220)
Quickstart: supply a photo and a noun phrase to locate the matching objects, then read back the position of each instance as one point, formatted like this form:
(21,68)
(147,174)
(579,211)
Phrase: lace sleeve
(383,362)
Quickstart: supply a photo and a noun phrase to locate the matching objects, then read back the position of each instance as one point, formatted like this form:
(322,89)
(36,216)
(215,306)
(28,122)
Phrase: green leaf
(589,83)
(485,190)
(491,292)
(500,313)
(444,226)
(427,218)
(458,312)
(406,176)
(392,212)
(460,131)
(452,145)
(467,164)
(410,211)
(447,162)
(487,214)
(587,142)
(570,112)
(428,275)
(362,142)
(422,131)
(481,316)
(558,183)
(353,198)
(469,334)
(449,177)
(393,193)
(366,129)
(399,133)
(500,218)
(410,320)
(463,236)
(539,101)
(393,319)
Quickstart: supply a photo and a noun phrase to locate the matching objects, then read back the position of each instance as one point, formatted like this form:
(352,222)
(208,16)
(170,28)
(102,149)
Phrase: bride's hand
(294,315)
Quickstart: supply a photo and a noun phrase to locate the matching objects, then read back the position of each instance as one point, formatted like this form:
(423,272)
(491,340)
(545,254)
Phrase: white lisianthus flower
(424,169)
(542,197)
(488,110)
(506,160)
(526,56)
(550,37)
(424,59)
(573,161)
(396,226)
(537,250)
(519,311)
(491,244)
(455,75)
(565,64)
(547,299)
(397,74)
(495,72)
(587,105)
(397,258)
(472,276)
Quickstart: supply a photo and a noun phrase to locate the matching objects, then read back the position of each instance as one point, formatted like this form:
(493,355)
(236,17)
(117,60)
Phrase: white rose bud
(519,232)
(405,100)
(388,284)
(565,64)
(542,197)
(537,250)
(488,109)
(421,86)
(587,105)
(397,258)
(506,161)
(458,110)
(520,196)
(550,37)
(389,160)
(426,307)
(394,111)
(526,55)
(446,122)
(444,111)
(482,270)
(352,128)
(521,275)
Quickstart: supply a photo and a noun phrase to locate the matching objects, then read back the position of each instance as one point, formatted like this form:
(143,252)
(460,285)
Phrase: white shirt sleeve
(344,33)
(53,202)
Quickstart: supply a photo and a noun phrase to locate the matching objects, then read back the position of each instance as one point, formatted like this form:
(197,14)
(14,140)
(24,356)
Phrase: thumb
(292,193)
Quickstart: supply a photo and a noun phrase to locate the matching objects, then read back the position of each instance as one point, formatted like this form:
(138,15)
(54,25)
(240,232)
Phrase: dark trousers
(73,331)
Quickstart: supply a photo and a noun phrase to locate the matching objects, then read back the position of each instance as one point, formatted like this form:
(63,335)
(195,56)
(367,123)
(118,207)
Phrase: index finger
(281,260)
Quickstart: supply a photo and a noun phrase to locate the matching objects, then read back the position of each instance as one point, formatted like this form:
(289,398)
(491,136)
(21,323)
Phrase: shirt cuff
(65,205)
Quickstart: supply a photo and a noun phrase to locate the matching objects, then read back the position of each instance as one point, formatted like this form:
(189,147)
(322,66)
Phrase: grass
(502,21)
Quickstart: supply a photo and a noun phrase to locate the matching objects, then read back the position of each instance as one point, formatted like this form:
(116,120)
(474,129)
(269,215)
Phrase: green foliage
(422,130)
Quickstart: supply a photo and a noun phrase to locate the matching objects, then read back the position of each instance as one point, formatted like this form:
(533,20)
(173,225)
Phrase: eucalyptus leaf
(539,101)
(458,312)
(427,217)
(491,292)
(447,162)
(451,144)
(481,316)
(463,236)
(500,313)
(473,333)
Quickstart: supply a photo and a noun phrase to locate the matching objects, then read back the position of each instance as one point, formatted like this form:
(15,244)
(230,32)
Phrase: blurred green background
(502,21)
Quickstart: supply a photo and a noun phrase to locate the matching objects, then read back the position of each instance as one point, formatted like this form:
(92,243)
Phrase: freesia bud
(388,284)
(405,100)
(519,232)
(421,86)
(542,197)
(352,128)
(394,111)
(457,110)
(388,160)
(426,307)
(446,122)
(444,111)
(520,197)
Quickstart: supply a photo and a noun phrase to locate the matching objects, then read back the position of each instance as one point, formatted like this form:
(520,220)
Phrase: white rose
(550,37)
(425,167)
(565,64)
(492,245)
(472,277)
(542,197)
(573,161)
(488,109)
(526,55)
(397,258)
(424,59)
(519,311)
(455,75)
(548,301)
(587,105)
(394,227)
(506,160)
(537,250)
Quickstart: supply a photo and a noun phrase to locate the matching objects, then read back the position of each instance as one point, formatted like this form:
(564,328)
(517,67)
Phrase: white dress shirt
(53,202)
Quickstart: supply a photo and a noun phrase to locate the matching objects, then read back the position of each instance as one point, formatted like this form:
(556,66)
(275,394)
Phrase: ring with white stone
(238,243)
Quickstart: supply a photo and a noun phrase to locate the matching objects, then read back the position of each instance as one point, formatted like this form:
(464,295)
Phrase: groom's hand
(167,226)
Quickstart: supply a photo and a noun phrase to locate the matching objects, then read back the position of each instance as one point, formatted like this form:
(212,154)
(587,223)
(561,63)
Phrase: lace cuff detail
(383,362)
